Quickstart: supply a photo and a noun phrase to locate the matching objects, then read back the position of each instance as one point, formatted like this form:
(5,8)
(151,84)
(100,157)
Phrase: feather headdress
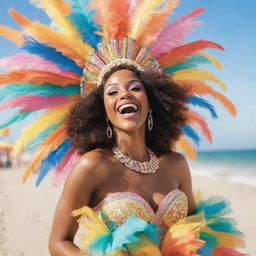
(86,39)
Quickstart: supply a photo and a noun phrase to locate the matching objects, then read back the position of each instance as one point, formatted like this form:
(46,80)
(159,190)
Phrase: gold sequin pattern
(120,209)
(177,210)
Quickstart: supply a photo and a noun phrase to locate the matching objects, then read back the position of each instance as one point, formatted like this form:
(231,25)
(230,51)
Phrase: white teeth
(126,106)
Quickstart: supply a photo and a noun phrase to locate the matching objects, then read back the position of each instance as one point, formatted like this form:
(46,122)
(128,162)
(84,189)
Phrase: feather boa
(206,233)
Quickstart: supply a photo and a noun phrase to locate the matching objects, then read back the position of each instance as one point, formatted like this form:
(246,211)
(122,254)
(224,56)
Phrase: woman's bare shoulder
(173,157)
(90,167)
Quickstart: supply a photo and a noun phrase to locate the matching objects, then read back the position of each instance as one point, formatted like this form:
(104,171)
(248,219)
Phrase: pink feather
(65,166)
(174,33)
(23,61)
(31,102)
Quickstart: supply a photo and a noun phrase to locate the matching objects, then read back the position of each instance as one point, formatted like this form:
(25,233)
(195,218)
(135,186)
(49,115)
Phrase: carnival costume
(61,62)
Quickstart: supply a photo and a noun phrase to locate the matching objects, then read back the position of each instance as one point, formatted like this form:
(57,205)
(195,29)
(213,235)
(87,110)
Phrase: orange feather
(180,54)
(19,18)
(195,118)
(155,25)
(71,46)
(113,18)
(187,147)
(52,142)
(37,77)
(12,35)
(201,88)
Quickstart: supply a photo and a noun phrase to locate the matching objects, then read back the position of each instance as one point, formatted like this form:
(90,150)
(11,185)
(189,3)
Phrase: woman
(98,173)
(126,123)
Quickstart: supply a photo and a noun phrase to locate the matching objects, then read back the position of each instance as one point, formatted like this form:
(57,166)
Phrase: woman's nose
(124,94)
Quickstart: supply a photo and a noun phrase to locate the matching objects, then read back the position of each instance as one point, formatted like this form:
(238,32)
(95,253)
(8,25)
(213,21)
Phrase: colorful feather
(52,160)
(35,143)
(13,90)
(57,10)
(132,6)
(23,61)
(155,24)
(196,74)
(192,62)
(187,147)
(212,59)
(51,143)
(180,54)
(50,54)
(52,116)
(112,17)
(201,88)
(70,47)
(37,77)
(196,119)
(191,133)
(197,101)
(32,102)
(65,166)
(142,16)
(174,33)
(82,19)
(17,117)
(12,35)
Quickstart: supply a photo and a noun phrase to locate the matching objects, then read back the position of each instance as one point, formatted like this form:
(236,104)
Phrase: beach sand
(26,211)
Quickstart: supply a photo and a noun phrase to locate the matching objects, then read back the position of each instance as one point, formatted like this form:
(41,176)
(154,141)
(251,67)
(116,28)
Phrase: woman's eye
(136,87)
(111,92)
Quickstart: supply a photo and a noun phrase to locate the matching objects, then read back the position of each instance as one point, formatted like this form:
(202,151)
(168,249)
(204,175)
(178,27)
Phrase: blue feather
(35,142)
(191,133)
(191,62)
(52,160)
(14,90)
(82,19)
(197,101)
(51,54)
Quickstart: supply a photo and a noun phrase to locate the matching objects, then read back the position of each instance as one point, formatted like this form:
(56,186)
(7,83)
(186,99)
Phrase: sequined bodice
(117,207)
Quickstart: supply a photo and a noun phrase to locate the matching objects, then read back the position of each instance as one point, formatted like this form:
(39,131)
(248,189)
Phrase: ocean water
(234,166)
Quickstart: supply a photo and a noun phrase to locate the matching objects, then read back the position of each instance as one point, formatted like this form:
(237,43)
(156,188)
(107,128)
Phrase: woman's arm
(77,193)
(186,184)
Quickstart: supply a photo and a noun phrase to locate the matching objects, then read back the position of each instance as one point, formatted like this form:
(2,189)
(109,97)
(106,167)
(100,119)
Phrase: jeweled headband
(112,54)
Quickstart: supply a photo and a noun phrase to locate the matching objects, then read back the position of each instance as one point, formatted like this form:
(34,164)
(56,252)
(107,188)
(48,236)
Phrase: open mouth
(127,109)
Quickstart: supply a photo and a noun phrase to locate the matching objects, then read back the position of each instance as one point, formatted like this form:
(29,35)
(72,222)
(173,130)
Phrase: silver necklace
(150,166)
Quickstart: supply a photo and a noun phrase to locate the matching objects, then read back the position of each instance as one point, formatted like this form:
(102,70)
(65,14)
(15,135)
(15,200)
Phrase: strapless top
(117,207)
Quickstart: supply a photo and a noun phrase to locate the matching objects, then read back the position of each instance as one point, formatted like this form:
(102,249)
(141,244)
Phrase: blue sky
(230,23)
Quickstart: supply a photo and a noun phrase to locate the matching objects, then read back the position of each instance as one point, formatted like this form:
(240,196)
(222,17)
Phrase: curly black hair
(87,122)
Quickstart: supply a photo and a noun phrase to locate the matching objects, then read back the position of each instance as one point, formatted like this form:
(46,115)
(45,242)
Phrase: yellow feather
(53,116)
(212,59)
(142,15)
(52,142)
(12,35)
(71,46)
(57,10)
(185,146)
(155,24)
(197,74)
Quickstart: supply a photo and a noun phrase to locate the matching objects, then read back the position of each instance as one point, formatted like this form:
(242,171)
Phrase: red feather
(180,54)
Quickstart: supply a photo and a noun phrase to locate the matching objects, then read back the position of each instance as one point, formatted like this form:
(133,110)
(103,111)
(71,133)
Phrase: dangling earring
(109,131)
(150,121)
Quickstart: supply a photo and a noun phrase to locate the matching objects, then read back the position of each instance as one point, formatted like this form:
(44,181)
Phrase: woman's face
(126,101)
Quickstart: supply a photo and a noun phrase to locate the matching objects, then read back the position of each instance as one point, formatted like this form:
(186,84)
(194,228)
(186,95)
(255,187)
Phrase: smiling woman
(167,101)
